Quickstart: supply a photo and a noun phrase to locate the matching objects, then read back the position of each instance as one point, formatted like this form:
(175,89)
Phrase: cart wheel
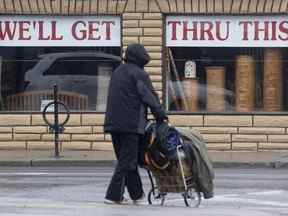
(155,197)
(192,198)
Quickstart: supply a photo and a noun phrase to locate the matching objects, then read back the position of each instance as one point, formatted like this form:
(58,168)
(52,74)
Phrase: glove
(162,119)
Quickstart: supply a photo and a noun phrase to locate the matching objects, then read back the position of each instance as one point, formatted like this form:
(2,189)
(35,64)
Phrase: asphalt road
(79,191)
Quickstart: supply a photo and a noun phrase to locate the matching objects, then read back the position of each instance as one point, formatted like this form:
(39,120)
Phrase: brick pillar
(146,28)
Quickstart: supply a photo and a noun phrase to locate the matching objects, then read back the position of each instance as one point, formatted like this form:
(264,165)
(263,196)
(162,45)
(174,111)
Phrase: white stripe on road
(272,192)
(250,201)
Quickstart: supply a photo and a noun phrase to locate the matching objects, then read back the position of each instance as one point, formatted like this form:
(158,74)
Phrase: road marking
(272,192)
(248,200)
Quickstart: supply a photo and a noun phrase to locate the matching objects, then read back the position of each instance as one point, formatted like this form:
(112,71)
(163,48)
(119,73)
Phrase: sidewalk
(106,158)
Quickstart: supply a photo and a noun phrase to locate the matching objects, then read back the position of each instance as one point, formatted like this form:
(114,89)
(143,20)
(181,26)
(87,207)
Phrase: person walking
(130,94)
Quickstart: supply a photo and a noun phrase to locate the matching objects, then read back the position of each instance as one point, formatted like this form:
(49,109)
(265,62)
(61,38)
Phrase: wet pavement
(79,191)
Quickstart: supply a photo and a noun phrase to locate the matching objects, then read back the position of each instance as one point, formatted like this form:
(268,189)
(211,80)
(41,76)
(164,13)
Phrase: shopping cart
(176,176)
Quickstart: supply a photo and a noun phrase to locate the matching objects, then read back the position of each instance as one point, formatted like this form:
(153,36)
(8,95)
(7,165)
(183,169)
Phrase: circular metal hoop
(66,111)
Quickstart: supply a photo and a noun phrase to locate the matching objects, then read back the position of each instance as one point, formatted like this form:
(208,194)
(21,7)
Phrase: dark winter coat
(130,93)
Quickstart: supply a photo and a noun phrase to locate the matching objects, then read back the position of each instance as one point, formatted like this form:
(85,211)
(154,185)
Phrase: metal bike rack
(55,126)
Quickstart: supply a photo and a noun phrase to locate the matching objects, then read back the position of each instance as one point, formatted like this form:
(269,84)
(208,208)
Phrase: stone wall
(85,132)
(142,21)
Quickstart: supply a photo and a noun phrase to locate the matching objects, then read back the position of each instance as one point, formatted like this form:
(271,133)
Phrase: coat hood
(137,54)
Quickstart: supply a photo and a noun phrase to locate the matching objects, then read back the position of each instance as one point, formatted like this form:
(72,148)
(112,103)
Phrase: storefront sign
(60,31)
(227,31)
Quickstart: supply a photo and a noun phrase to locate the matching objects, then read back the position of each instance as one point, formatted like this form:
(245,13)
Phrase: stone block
(273,146)
(153,16)
(15,119)
(132,16)
(245,6)
(217,130)
(236,6)
(215,138)
(132,32)
(249,138)
(8,145)
(154,70)
(86,7)
(218,146)
(227,6)
(164,7)
(244,146)
(5,136)
(210,6)
(102,146)
(283,6)
(108,137)
(261,5)
(129,39)
(157,86)
(24,137)
(156,78)
(130,23)
(202,7)
(260,130)
(270,121)
(268,6)
(154,63)
(150,23)
(88,137)
(253,6)
(219,7)
(8,7)
(153,32)
(31,129)
(50,137)
(76,145)
(278,138)
(5,129)
(186,120)
(195,6)
(112,7)
(77,129)
(157,48)
(150,41)
(98,129)
(142,6)
(40,145)
(74,119)
(130,6)
(102,6)
(188,6)
(223,120)
(277,6)
(93,119)
(155,55)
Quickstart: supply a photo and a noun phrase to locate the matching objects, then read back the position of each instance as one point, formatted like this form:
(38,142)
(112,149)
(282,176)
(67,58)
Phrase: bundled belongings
(178,160)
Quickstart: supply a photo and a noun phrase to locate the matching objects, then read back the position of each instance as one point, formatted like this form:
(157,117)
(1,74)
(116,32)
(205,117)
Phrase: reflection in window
(28,76)
(226,79)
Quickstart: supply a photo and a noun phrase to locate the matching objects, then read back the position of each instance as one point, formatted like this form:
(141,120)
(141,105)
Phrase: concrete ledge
(61,162)
(108,163)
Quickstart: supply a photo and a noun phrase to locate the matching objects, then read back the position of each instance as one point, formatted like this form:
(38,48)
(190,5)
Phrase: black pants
(126,147)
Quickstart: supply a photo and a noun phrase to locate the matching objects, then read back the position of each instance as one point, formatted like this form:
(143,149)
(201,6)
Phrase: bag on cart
(162,141)
(194,146)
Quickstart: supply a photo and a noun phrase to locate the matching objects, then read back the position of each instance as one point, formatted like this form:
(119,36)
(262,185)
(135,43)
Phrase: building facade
(219,66)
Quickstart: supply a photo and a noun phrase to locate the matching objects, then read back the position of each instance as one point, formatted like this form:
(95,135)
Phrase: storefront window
(82,75)
(81,69)
(226,64)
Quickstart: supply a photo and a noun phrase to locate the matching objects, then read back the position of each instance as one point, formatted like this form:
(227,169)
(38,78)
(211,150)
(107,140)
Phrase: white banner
(227,31)
(60,31)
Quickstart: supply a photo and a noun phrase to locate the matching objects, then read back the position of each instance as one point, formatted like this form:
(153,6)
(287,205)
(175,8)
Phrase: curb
(108,163)
(276,164)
